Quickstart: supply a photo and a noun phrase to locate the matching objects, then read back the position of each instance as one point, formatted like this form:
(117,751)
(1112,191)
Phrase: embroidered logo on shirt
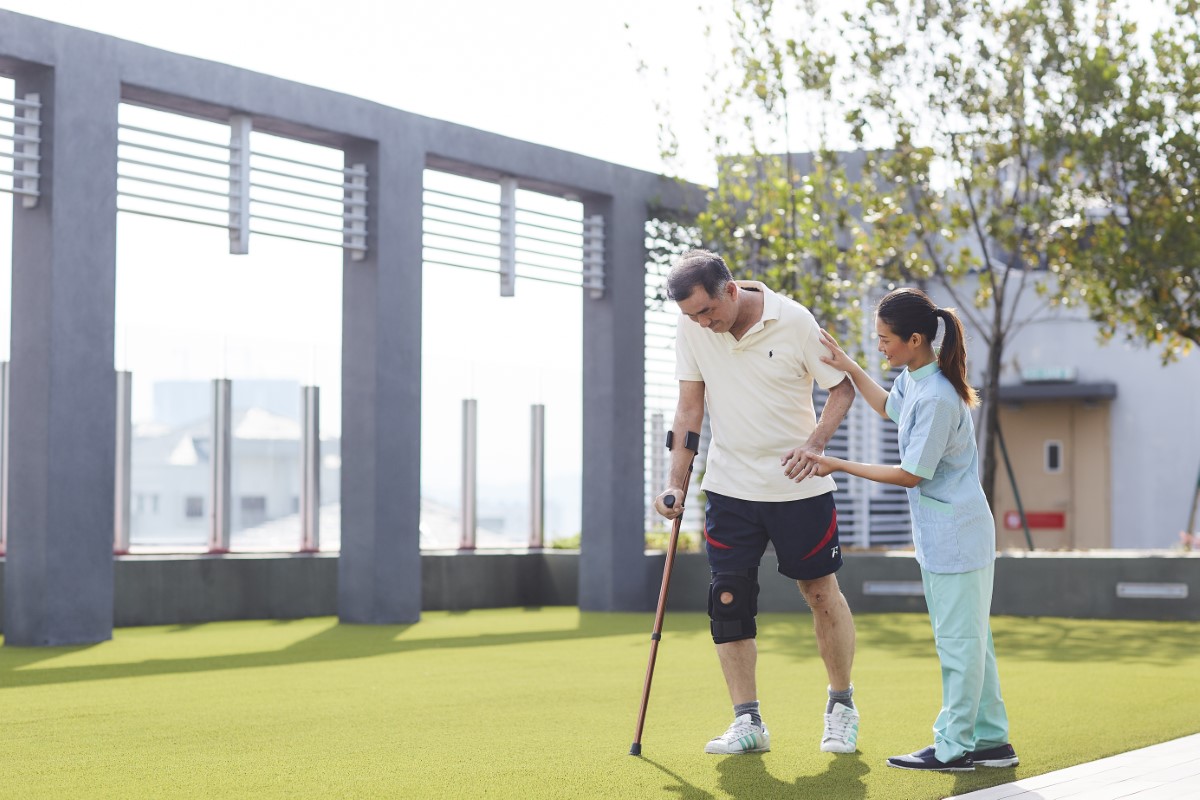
(770,354)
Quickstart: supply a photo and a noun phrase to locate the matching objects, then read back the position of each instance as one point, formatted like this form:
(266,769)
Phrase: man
(752,356)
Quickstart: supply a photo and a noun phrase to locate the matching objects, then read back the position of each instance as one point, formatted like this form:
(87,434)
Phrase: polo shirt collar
(924,371)
(771,305)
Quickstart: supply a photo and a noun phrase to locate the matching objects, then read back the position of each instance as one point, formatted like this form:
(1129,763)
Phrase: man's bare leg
(747,734)
(834,627)
(738,662)
(835,641)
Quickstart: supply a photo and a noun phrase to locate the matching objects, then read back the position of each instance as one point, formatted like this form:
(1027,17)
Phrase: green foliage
(1133,245)
(1014,143)
(689,541)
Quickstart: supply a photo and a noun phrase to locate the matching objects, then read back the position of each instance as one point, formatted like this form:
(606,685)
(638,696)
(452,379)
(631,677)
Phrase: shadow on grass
(747,777)
(338,642)
(1059,640)
(685,790)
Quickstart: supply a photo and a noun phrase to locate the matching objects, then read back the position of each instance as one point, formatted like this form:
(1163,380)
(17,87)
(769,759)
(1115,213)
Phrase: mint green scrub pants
(973,716)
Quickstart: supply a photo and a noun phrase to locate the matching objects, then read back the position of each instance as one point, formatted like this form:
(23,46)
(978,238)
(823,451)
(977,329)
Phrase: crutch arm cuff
(691,441)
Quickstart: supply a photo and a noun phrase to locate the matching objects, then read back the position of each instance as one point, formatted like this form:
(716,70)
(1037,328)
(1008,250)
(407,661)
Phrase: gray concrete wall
(60,586)
(1080,586)
(179,590)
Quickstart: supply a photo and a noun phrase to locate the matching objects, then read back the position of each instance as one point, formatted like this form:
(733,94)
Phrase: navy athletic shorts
(804,532)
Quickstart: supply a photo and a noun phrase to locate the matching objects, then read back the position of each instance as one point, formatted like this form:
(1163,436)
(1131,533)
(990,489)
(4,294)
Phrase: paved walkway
(1167,771)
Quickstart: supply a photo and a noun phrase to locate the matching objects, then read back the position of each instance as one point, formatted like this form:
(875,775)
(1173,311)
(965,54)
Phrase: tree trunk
(991,403)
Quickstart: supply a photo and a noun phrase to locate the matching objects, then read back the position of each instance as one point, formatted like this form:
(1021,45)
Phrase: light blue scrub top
(952,524)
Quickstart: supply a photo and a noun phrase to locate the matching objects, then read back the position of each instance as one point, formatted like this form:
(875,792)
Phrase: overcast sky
(547,71)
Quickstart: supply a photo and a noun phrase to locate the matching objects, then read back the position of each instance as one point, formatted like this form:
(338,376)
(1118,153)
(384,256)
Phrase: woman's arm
(875,395)
(880,473)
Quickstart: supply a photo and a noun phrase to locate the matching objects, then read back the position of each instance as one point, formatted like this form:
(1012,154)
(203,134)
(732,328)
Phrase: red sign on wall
(1053,520)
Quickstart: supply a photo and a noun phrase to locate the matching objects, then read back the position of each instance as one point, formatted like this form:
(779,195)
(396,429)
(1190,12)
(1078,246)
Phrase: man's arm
(836,405)
(689,416)
(875,395)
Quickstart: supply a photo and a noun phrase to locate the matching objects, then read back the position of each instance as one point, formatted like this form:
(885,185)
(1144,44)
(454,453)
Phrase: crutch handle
(669,500)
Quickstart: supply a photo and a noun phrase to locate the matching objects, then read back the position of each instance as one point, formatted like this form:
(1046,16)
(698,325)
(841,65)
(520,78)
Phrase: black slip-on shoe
(927,761)
(1002,756)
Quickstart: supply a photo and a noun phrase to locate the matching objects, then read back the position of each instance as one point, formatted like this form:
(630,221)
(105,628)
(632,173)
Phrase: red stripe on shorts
(714,542)
(825,541)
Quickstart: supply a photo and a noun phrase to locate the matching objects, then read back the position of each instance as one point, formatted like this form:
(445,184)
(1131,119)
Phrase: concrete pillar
(379,572)
(58,586)
(612,569)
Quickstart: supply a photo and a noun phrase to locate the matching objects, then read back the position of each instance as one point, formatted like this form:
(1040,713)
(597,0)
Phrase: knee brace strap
(732,605)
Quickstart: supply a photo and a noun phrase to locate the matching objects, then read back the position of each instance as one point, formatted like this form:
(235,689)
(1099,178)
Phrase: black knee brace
(733,620)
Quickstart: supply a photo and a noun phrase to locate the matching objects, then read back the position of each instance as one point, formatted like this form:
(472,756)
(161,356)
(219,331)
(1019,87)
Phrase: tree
(1134,245)
(972,90)
(990,128)
(788,219)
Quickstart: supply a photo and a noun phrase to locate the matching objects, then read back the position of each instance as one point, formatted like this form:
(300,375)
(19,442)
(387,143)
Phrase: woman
(953,528)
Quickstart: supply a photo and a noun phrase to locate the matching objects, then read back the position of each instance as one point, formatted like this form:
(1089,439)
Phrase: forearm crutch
(691,442)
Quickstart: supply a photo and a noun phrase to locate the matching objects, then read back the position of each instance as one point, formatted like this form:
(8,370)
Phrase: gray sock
(846,698)
(750,708)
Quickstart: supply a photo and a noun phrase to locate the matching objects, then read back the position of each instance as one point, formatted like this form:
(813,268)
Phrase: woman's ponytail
(952,360)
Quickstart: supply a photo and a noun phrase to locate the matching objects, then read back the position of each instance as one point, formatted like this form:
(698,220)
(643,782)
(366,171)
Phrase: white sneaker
(743,736)
(841,730)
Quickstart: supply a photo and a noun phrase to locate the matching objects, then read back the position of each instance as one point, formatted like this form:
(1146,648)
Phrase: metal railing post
(123,472)
(508,237)
(537,476)
(240,126)
(220,487)
(468,507)
(355,211)
(27,152)
(310,466)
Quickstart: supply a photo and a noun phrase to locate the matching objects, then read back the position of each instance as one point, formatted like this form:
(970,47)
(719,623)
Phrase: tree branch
(1017,301)
(1016,327)
(966,310)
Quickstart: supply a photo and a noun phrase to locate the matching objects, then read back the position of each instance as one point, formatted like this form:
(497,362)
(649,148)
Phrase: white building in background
(171,475)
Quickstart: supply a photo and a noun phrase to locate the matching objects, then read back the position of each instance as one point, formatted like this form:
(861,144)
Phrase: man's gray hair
(697,268)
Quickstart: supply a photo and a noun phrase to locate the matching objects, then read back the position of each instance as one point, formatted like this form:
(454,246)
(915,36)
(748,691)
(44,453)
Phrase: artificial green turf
(541,703)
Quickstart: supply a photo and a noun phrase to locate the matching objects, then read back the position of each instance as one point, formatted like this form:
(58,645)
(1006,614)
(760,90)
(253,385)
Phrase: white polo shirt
(758,392)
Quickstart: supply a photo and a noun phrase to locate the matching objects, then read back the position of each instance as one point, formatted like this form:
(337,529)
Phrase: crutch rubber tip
(635,749)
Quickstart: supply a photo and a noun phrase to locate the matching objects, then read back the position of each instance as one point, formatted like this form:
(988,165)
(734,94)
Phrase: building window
(254,510)
(1054,456)
(254,504)
(193,507)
